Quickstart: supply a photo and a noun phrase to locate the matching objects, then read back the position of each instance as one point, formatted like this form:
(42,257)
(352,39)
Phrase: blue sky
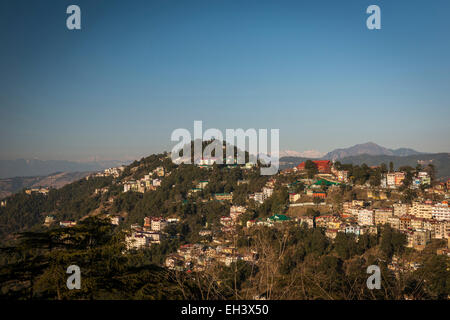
(140,69)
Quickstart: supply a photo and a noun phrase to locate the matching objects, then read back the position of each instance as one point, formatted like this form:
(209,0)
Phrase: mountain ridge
(369,148)
(9,186)
(440,160)
(35,167)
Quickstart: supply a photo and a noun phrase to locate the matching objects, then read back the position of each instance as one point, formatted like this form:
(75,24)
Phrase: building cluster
(197,257)
(67,224)
(147,183)
(341,175)
(269,222)
(110,172)
(395,179)
(399,266)
(40,190)
(266,192)
(51,220)
(200,186)
(229,222)
(152,232)
(208,162)
(100,191)
(313,188)
(420,222)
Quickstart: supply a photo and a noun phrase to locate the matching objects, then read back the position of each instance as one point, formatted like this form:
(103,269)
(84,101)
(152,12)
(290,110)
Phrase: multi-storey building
(223,196)
(267,192)
(390,180)
(382,215)
(405,222)
(441,211)
(420,238)
(394,179)
(236,211)
(260,197)
(401,209)
(399,177)
(394,222)
(422,210)
(365,217)
(355,229)
(416,223)
(440,230)
(159,224)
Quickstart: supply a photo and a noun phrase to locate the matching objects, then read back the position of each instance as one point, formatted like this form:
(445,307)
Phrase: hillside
(35,167)
(440,160)
(9,186)
(138,273)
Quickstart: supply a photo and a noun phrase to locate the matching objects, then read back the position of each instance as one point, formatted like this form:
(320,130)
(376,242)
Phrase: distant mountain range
(9,186)
(369,148)
(35,167)
(304,154)
(358,149)
(372,154)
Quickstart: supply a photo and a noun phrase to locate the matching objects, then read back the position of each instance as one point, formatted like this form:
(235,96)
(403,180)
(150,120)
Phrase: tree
(392,241)
(345,245)
(311,169)
(436,274)
(317,200)
(431,169)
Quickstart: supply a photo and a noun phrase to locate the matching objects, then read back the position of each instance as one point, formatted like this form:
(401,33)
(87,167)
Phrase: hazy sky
(140,69)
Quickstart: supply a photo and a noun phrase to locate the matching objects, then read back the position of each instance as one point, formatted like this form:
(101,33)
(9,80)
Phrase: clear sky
(140,69)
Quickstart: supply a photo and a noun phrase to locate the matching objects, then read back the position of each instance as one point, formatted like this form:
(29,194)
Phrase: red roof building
(321,195)
(323,166)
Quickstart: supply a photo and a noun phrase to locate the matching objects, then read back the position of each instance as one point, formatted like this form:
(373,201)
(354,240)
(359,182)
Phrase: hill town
(320,218)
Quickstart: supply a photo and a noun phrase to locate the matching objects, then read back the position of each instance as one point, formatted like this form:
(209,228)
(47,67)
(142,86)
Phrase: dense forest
(294,263)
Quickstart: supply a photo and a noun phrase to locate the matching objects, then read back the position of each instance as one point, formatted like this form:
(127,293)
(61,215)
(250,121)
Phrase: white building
(267,192)
(137,241)
(422,210)
(260,197)
(441,211)
(236,211)
(365,217)
(390,180)
(116,220)
(142,239)
(158,224)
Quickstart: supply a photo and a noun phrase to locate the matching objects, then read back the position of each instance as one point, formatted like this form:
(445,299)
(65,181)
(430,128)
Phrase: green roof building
(279,217)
